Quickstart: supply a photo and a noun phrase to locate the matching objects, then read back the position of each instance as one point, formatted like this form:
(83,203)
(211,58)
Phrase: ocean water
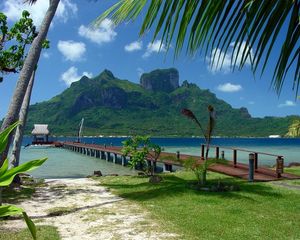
(65,163)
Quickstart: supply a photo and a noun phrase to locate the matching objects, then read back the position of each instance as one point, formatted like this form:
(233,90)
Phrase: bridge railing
(218,154)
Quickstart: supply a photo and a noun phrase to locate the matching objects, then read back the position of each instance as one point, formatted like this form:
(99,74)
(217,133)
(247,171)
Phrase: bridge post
(234,157)
(217,152)
(279,166)
(123,159)
(251,167)
(255,161)
(167,167)
(178,155)
(222,155)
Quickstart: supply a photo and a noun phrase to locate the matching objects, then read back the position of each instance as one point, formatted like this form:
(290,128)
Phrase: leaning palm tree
(27,70)
(16,149)
(250,31)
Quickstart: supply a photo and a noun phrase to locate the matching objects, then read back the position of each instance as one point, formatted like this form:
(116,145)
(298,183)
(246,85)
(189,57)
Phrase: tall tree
(15,156)
(13,42)
(26,72)
(247,30)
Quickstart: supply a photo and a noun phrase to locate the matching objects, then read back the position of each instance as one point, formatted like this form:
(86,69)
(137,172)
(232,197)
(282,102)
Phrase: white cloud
(71,50)
(140,71)
(222,61)
(71,75)
(287,103)
(229,87)
(155,47)
(14,8)
(251,102)
(46,55)
(134,46)
(103,34)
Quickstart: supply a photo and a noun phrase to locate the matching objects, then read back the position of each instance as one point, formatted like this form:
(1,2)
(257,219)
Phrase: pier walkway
(233,168)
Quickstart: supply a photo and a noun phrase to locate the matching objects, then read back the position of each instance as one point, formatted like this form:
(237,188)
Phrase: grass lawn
(257,211)
(43,233)
(293,170)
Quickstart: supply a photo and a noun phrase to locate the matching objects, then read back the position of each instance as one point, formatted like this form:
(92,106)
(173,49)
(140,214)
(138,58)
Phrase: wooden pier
(233,168)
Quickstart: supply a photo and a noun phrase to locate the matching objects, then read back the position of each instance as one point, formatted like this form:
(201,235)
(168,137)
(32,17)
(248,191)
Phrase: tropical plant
(250,31)
(198,167)
(26,72)
(7,176)
(294,129)
(139,148)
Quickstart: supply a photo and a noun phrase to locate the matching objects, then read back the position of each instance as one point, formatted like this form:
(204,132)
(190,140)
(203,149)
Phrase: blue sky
(78,50)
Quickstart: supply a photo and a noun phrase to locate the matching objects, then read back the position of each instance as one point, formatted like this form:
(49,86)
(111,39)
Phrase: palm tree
(27,70)
(294,129)
(15,156)
(249,30)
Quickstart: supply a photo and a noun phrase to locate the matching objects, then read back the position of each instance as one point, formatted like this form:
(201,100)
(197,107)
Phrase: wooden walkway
(114,154)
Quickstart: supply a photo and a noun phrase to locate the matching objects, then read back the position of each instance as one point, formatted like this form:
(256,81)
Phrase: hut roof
(40,129)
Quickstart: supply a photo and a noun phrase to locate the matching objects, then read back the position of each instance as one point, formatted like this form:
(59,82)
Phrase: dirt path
(89,212)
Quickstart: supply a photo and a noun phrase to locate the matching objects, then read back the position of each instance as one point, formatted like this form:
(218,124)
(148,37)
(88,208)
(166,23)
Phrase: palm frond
(189,114)
(30,1)
(249,30)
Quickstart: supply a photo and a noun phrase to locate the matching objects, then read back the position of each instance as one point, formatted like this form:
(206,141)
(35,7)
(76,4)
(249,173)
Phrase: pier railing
(279,159)
(236,169)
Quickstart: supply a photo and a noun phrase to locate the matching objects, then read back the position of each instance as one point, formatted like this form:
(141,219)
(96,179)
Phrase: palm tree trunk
(26,72)
(15,157)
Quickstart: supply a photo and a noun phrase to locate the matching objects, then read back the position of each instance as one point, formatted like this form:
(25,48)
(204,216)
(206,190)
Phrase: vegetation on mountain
(294,129)
(111,106)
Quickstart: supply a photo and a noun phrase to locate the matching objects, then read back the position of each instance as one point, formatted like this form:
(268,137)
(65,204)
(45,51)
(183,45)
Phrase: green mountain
(111,106)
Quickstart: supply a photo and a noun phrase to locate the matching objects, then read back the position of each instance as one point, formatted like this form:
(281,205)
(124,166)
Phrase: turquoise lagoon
(65,163)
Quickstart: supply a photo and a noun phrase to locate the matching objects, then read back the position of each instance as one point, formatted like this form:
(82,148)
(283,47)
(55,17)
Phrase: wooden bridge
(233,168)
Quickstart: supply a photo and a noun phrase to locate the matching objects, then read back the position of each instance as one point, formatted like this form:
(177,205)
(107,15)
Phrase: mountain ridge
(112,106)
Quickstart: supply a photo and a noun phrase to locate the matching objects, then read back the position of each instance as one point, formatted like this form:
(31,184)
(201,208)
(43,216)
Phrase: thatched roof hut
(40,133)
(40,129)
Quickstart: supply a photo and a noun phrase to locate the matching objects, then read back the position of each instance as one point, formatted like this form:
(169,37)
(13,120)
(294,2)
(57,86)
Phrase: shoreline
(171,137)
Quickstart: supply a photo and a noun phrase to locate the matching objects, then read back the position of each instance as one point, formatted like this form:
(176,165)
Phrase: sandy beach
(90,212)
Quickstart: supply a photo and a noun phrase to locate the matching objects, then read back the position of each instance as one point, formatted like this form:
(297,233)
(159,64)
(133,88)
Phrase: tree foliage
(139,148)
(14,40)
(250,30)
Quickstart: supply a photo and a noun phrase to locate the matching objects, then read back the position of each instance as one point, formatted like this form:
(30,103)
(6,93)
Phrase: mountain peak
(107,74)
(165,80)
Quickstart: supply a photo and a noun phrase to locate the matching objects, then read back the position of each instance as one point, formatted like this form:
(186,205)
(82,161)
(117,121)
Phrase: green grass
(58,211)
(43,233)
(293,170)
(257,211)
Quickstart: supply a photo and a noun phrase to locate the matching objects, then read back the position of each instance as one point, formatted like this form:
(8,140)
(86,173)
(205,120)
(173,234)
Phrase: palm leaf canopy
(206,25)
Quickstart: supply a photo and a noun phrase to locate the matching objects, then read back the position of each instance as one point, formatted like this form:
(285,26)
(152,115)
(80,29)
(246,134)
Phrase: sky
(77,49)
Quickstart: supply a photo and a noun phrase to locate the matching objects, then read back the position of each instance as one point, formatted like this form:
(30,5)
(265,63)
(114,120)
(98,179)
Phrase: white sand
(94,212)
